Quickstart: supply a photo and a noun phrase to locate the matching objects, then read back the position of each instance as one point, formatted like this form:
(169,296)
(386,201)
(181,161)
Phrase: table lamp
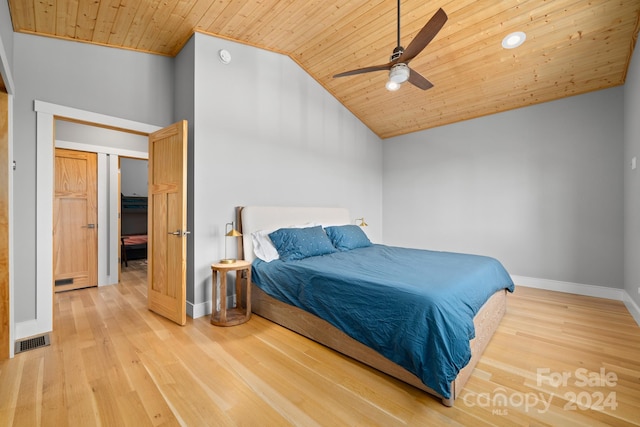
(229,231)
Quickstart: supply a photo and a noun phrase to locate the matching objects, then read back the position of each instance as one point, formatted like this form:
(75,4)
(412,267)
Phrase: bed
(358,333)
(133,228)
(133,247)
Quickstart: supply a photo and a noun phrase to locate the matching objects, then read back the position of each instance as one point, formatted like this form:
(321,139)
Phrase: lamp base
(227,261)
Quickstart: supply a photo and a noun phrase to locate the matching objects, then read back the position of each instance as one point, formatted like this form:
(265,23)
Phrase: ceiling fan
(398,65)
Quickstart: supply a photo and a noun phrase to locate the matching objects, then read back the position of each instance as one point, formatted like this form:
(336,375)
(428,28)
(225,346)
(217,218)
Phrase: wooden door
(4,226)
(75,228)
(167,246)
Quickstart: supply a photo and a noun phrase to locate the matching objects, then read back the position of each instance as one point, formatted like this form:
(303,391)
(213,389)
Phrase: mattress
(139,239)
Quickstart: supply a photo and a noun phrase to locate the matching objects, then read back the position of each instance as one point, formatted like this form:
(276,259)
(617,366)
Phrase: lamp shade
(233,233)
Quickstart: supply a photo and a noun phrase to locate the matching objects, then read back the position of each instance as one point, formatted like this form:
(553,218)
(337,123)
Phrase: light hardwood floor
(112,362)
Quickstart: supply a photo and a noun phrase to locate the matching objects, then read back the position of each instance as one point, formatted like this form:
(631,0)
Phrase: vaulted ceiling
(571,47)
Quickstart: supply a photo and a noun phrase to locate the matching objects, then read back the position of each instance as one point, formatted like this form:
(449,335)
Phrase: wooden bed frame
(486,320)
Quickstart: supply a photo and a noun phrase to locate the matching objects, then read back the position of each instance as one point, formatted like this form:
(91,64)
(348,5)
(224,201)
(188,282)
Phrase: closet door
(75,228)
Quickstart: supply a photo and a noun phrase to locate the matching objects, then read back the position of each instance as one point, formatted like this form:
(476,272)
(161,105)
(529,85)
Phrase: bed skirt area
(486,322)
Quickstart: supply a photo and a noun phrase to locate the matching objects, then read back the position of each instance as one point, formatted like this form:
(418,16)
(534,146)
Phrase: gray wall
(134,177)
(115,82)
(540,188)
(94,135)
(632,179)
(184,108)
(268,133)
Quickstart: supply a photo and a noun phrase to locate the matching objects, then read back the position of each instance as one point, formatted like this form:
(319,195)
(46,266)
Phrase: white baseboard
(581,289)
(632,307)
(198,310)
(205,308)
(569,287)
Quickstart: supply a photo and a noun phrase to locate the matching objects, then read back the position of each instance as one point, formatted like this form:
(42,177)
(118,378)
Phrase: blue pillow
(347,237)
(299,243)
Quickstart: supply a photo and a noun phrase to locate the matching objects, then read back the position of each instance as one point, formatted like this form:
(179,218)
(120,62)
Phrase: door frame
(6,76)
(7,334)
(46,114)
(109,196)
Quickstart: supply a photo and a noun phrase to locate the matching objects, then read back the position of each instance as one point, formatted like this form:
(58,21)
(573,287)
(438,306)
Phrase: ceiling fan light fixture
(513,40)
(392,86)
(398,65)
(398,74)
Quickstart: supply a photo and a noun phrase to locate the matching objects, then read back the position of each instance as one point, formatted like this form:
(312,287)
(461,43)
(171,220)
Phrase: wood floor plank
(10,378)
(157,410)
(54,406)
(113,362)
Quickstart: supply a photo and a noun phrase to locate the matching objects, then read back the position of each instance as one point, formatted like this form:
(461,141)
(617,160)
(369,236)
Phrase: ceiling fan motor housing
(397,52)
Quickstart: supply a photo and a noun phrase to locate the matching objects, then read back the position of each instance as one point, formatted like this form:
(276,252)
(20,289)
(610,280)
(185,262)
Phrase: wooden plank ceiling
(572,46)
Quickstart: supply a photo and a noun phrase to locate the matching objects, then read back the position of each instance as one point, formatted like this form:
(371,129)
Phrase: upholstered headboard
(255,218)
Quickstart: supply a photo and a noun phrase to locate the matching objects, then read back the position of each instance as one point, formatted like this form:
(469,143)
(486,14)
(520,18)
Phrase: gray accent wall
(540,188)
(266,133)
(115,82)
(632,179)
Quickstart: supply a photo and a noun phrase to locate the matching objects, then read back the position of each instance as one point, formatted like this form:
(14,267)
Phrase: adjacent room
(319,213)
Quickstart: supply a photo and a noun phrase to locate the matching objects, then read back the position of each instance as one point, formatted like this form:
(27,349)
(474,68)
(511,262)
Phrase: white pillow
(334,224)
(263,246)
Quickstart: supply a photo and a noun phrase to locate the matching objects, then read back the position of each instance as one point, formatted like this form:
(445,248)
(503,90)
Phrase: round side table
(220,314)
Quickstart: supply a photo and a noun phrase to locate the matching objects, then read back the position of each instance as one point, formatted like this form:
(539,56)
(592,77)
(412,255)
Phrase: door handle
(175,233)
(89,226)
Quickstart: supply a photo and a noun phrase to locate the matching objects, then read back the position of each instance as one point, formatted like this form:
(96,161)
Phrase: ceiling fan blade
(419,81)
(366,70)
(424,37)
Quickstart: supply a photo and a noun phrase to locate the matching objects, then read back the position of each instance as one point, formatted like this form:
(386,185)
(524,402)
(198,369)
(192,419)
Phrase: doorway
(109,146)
(134,188)
(46,115)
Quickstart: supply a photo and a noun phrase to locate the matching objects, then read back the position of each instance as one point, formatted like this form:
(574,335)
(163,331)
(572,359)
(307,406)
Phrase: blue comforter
(415,307)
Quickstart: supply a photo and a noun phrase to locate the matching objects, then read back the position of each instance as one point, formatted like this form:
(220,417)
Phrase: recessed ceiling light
(514,40)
